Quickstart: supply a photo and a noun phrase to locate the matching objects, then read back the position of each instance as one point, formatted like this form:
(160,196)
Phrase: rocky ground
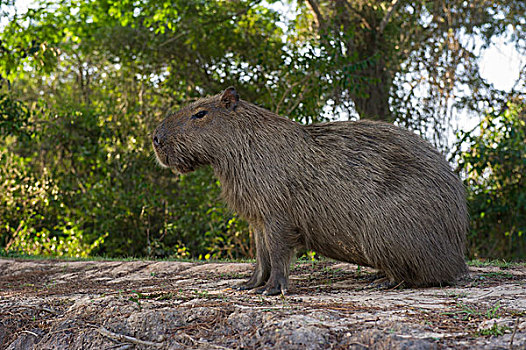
(178,305)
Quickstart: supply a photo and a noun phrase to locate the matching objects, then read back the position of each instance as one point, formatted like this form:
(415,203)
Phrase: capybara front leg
(280,251)
(262,271)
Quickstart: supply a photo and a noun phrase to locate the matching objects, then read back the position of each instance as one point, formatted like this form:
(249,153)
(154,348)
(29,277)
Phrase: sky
(500,64)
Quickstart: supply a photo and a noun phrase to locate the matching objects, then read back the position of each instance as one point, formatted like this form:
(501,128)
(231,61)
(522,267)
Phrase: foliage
(411,62)
(495,168)
(28,209)
(107,76)
(86,191)
(84,83)
(14,116)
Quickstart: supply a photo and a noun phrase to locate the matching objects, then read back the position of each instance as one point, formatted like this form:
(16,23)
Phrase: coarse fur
(364,192)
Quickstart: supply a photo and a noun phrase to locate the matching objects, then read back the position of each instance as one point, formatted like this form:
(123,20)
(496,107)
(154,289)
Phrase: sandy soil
(179,305)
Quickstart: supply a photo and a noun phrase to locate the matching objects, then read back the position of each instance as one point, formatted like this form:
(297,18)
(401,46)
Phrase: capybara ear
(230,98)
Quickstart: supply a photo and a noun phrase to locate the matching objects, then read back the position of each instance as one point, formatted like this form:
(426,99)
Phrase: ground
(99,305)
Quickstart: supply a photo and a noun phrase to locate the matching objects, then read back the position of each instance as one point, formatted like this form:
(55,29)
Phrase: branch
(304,89)
(278,106)
(315,8)
(388,15)
(174,38)
(359,14)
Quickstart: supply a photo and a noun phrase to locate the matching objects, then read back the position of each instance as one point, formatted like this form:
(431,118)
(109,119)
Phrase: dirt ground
(178,305)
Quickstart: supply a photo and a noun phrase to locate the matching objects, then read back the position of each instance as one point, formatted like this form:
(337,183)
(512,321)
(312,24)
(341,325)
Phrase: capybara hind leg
(262,271)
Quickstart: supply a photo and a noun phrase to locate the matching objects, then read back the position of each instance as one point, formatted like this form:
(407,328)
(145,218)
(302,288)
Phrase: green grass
(503,264)
(498,274)
(17,255)
(495,330)
(465,312)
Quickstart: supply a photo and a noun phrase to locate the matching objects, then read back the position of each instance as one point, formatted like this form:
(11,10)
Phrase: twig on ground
(48,310)
(398,285)
(209,345)
(481,296)
(119,347)
(32,333)
(514,331)
(122,337)
(37,308)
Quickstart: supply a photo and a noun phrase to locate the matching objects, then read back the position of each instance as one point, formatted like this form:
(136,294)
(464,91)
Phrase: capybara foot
(243,286)
(256,280)
(372,277)
(274,286)
(247,285)
(386,283)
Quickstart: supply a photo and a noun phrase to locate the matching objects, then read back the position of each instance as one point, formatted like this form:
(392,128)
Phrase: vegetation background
(84,83)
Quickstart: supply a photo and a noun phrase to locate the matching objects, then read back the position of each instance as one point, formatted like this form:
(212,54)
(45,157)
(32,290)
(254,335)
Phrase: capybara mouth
(172,162)
(161,156)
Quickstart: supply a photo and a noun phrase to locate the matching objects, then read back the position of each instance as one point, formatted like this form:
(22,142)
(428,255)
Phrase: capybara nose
(156,141)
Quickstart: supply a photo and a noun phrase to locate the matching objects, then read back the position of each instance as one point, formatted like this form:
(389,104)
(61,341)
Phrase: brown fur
(364,192)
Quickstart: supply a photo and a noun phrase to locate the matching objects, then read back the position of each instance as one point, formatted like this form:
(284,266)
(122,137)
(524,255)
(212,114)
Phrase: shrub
(494,167)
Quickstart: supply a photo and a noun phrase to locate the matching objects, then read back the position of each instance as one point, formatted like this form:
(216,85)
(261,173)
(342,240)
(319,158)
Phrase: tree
(98,76)
(418,60)
(84,83)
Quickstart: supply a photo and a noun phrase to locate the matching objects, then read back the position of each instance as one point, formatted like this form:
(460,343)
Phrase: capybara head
(188,138)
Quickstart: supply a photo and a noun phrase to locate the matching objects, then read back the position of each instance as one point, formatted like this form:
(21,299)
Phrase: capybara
(364,192)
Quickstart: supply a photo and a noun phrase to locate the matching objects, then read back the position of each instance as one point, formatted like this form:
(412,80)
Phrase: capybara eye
(199,114)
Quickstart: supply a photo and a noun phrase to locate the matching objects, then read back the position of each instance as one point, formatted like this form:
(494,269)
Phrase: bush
(495,168)
(85,184)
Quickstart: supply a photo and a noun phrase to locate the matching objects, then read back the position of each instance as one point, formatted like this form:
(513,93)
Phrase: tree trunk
(371,99)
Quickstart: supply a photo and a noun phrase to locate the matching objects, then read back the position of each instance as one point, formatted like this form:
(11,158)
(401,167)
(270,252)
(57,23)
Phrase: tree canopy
(83,84)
